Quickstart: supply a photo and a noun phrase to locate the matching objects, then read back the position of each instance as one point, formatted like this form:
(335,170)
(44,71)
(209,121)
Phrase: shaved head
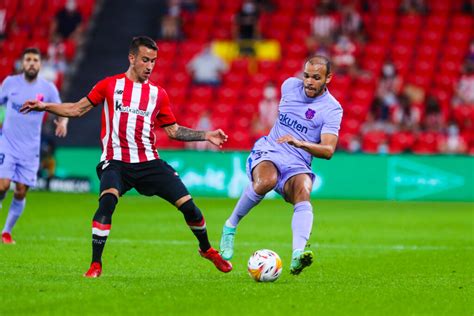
(320,60)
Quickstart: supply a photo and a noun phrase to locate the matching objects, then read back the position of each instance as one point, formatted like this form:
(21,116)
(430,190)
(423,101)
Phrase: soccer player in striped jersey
(133,106)
(20,142)
(307,126)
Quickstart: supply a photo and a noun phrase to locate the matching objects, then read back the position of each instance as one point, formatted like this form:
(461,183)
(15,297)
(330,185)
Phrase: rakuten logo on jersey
(292,123)
(126,109)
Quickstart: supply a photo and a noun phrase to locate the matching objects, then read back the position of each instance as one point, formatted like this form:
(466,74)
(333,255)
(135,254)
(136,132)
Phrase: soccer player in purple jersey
(20,142)
(308,125)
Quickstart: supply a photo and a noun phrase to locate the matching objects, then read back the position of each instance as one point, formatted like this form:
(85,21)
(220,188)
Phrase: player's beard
(320,90)
(31,74)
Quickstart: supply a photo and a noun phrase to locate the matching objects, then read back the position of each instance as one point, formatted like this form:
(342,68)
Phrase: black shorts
(149,178)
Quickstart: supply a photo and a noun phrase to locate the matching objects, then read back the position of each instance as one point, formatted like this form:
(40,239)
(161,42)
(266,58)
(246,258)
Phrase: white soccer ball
(264,265)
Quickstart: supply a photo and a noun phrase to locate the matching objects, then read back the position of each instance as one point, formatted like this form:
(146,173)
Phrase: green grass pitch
(372,258)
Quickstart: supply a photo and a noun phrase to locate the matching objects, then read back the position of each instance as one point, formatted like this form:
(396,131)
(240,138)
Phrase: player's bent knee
(20,194)
(182,200)
(190,211)
(263,186)
(112,191)
(107,203)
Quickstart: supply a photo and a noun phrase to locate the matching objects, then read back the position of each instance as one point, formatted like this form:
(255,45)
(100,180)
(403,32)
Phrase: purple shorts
(286,164)
(18,170)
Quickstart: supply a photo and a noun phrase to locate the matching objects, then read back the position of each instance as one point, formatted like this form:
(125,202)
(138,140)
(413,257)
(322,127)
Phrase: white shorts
(18,170)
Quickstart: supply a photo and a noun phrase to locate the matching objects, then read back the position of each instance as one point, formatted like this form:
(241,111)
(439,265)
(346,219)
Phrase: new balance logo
(118,91)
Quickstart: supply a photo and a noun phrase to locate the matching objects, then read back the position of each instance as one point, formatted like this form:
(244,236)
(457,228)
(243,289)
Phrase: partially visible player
(308,125)
(133,106)
(20,143)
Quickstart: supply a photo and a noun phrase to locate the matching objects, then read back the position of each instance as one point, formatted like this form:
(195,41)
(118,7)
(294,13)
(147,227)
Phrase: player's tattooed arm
(216,137)
(184,134)
(188,134)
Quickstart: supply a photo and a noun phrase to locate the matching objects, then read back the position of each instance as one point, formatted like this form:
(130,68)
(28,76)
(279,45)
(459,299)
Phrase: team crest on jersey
(310,114)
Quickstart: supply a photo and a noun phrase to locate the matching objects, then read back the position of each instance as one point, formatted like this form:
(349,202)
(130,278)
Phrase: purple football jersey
(22,132)
(303,117)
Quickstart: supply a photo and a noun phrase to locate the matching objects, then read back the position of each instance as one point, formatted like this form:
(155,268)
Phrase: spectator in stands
(413,7)
(246,27)
(344,54)
(189,5)
(389,86)
(433,118)
(378,118)
(325,23)
(67,23)
(267,111)
(468,7)
(470,53)
(351,21)
(3,23)
(207,68)
(453,142)
(405,116)
(171,21)
(464,90)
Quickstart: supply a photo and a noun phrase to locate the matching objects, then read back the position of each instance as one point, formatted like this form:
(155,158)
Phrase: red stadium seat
(232,6)
(362,96)
(240,66)
(227,95)
(268,67)
(210,5)
(406,37)
(427,143)
(409,23)
(202,94)
(372,140)
(223,109)
(440,7)
(436,23)
(389,6)
(350,125)
(462,22)
(355,111)
(464,115)
(401,142)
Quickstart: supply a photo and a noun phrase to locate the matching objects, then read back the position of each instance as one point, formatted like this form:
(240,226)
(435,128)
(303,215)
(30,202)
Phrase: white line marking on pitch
(398,247)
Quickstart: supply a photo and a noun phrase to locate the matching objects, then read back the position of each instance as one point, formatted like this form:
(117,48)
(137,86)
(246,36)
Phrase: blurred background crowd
(403,69)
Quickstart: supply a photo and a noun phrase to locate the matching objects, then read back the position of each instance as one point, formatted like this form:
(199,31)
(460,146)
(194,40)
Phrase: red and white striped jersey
(130,113)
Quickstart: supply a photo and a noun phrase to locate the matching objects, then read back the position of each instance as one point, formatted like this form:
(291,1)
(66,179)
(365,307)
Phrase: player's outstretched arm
(216,137)
(76,109)
(325,149)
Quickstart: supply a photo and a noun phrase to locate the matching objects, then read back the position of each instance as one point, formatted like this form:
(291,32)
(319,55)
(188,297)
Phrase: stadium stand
(427,45)
(24,27)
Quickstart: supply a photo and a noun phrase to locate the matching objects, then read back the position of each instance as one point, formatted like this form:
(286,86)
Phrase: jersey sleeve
(54,94)
(4,91)
(165,116)
(332,122)
(289,84)
(97,95)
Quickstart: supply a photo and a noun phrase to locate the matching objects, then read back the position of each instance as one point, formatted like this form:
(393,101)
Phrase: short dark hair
(322,60)
(31,50)
(141,41)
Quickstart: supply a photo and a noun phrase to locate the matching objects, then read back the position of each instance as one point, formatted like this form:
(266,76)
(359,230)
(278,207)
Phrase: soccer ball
(264,265)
